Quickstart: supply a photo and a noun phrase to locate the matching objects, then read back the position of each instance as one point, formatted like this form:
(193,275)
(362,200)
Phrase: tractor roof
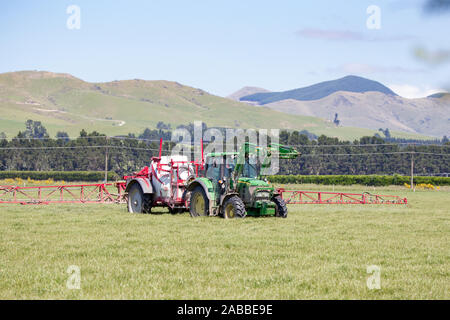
(221,154)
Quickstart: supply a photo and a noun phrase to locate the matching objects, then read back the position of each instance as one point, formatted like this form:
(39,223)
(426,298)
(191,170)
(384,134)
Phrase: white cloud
(412,92)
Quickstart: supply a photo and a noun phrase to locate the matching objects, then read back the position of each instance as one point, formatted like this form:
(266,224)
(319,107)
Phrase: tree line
(367,155)
(34,150)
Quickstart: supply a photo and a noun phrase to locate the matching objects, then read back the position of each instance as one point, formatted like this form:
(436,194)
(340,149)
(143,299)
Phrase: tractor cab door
(213,169)
(213,172)
(251,167)
(228,167)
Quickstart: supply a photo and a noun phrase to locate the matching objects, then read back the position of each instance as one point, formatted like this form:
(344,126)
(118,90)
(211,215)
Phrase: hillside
(321,90)
(65,103)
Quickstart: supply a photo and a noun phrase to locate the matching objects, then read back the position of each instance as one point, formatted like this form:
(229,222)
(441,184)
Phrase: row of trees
(32,150)
(368,155)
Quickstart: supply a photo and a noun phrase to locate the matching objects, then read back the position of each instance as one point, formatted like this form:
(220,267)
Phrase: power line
(367,145)
(338,145)
(168,150)
(342,145)
(78,147)
(83,138)
(373,153)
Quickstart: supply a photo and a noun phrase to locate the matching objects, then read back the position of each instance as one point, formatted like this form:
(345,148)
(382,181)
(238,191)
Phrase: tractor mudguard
(207,187)
(224,197)
(145,184)
(276,192)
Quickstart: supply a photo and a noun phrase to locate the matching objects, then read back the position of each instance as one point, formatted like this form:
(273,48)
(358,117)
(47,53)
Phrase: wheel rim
(199,204)
(135,201)
(229,211)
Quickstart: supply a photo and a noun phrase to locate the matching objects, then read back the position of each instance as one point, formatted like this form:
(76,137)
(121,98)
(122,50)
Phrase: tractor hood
(253,182)
(253,190)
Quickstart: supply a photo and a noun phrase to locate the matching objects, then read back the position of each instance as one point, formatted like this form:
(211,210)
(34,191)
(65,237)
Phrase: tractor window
(229,167)
(250,170)
(213,170)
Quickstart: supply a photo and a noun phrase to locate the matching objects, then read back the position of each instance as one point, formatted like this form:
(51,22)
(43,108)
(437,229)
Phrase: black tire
(148,203)
(233,207)
(199,203)
(176,210)
(280,207)
(137,201)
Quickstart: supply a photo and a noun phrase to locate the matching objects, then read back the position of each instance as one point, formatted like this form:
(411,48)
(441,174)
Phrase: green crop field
(319,251)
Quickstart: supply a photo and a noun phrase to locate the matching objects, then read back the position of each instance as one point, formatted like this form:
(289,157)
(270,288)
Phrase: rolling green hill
(65,103)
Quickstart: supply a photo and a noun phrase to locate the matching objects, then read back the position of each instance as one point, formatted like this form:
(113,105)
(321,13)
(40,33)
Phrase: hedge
(88,176)
(368,180)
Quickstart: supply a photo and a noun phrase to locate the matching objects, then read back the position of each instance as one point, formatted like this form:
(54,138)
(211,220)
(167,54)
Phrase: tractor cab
(223,165)
(219,165)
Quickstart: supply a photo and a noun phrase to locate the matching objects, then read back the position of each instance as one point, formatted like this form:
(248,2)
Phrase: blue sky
(221,46)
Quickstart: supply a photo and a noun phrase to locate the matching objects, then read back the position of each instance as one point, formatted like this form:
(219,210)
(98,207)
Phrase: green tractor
(233,185)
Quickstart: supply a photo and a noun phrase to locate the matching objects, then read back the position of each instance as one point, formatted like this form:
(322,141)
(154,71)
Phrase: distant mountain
(362,103)
(373,110)
(440,95)
(321,90)
(65,103)
(246,91)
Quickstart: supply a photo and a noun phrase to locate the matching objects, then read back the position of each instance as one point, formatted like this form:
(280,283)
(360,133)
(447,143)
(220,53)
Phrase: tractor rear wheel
(280,207)
(233,208)
(199,203)
(138,202)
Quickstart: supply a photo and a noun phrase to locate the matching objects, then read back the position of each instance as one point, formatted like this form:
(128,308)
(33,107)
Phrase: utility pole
(412,171)
(106,161)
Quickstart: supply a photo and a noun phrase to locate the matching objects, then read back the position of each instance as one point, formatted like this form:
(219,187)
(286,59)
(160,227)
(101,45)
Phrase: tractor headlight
(262,195)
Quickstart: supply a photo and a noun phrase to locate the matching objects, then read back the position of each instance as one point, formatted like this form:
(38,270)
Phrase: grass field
(319,251)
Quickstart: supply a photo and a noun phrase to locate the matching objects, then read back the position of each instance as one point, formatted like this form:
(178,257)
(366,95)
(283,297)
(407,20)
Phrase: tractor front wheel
(280,207)
(233,208)
(199,203)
